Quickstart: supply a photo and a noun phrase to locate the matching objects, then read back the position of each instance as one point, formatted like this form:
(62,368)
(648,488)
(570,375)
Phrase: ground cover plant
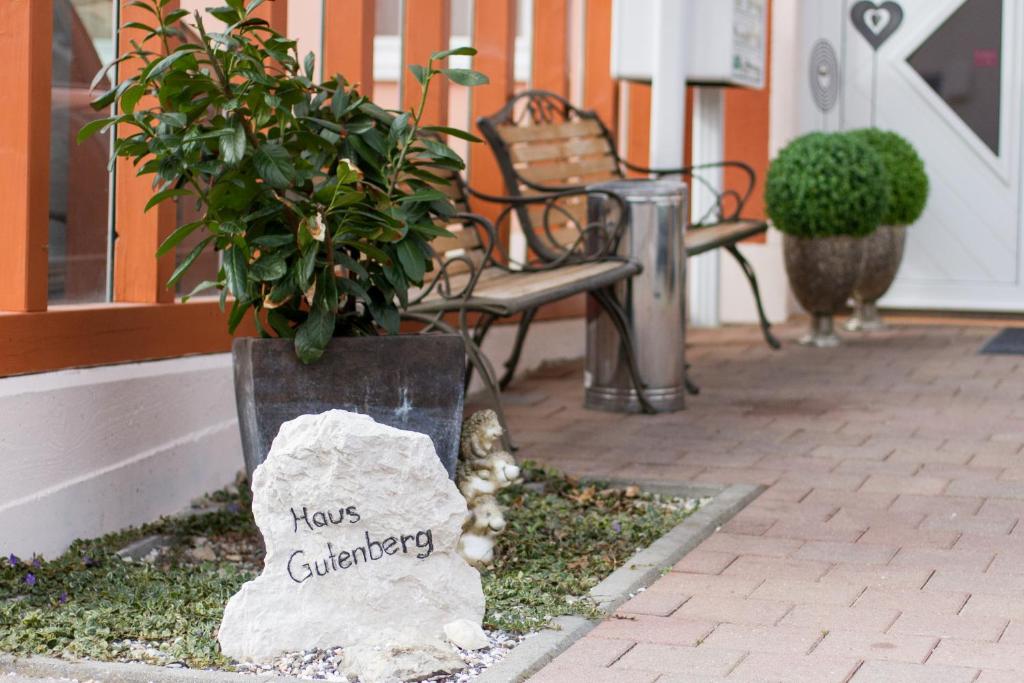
(563,538)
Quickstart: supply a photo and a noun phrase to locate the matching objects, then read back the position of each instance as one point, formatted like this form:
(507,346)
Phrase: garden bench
(544,144)
(476,282)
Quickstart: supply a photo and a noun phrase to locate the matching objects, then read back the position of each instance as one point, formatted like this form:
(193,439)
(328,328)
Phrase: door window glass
(961,61)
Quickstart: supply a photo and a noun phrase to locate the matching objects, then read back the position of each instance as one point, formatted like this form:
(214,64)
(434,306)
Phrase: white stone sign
(361,525)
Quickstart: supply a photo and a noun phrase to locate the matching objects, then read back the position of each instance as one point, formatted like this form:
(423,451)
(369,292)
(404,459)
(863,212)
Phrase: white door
(948,78)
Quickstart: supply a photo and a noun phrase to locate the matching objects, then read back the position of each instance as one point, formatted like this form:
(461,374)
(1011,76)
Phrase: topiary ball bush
(907,188)
(826,184)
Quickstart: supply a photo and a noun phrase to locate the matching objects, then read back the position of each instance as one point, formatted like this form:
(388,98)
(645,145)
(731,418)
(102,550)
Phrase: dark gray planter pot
(822,272)
(883,252)
(412,382)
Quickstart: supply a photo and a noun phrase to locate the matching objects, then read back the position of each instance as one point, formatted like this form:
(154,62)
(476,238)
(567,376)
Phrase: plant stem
(417,114)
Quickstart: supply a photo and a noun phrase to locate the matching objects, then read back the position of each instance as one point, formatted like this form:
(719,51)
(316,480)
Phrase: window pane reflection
(79,180)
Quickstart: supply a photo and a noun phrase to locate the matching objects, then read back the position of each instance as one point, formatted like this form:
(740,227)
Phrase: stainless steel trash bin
(654,301)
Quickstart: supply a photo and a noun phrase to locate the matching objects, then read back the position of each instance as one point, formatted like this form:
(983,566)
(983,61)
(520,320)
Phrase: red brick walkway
(887,546)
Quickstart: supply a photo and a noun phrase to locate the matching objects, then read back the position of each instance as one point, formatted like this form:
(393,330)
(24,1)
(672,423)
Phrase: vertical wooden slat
(639,134)
(600,92)
(349,28)
(550,61)
(275,12)
(139,276)
(494,35)
(26,27)
(427,29)
(747,119)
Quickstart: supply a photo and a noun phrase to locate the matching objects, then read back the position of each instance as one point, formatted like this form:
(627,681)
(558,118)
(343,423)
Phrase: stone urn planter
(822,272)
(906,192)
(825,192)
(412,382)
(881,254)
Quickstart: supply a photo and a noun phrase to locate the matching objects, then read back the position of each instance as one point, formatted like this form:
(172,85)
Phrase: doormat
(1009,340)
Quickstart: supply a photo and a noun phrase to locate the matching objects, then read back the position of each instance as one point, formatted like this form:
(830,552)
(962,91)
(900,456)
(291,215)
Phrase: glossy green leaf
(466,77)
(313,336)
(274,165)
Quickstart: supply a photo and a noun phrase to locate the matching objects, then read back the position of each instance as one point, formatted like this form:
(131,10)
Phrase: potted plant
(906,192)
(824,191)
(321,206)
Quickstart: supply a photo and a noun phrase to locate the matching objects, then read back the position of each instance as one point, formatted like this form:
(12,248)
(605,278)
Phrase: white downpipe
(708,147)
(668,84)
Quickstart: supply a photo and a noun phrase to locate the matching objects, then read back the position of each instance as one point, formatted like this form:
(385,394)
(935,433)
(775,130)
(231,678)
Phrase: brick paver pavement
(887,546)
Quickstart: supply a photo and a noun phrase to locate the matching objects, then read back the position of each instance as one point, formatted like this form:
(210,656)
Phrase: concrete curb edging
(36,666)
(529,657)
(640,571)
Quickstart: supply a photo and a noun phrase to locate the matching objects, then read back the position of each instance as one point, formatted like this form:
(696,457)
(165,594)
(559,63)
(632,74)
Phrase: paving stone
(962,505)
(971,524)
(890,483)
(814,531)
(954,558)
(650,629)
(994,605)
(852,553)
(695,661)
(808,592)
(979,654)
(878,576)
(736,543)
(909,537)
(853,499)
(758,567)
(657,604)
(596,652)
(911,600)
(866,645)
(761,667)
(732,610)
(878,671)
(683,583)
(777,639)
(976,582)
(572,673)
(840,617)
(702,561)
(950,625)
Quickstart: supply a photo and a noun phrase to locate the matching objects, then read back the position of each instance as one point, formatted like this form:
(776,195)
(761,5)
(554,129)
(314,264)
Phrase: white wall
(86,452)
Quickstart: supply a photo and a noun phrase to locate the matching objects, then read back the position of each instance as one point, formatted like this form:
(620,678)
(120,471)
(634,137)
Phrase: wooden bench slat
(597,168)
(699,240)
(546,151)
(513,134)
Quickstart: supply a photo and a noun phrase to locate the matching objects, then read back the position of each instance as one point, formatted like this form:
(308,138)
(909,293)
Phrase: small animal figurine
(482,471)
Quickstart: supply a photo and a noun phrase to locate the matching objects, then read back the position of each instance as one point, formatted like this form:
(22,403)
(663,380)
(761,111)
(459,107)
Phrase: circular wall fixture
(824,75)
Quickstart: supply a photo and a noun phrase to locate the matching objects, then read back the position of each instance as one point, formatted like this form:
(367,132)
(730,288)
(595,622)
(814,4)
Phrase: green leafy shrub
(907,186)
(321,203)
(825,184)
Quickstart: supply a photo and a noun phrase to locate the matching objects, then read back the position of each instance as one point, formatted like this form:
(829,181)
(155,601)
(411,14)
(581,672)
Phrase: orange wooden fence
(143,321)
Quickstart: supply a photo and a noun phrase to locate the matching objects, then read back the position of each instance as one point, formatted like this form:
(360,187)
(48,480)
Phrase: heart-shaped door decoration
(876,22)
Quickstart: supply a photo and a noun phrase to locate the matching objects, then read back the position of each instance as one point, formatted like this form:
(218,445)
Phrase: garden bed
(161,601)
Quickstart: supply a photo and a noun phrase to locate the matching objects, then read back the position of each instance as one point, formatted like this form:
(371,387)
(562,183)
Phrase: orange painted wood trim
(494,35)
(79,336)
(139,276)
(349,29)
(426,29)
(275,13)
(638,147)
(747,123)
(550,61)
(26,28)
(600,90)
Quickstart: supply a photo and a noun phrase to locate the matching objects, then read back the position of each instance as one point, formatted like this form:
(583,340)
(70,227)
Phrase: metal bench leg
(483,365)
(476,359)
(483,325)
(517,349)
(748,270)
(691,388)
(611,305)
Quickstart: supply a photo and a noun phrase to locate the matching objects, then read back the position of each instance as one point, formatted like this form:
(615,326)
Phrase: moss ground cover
(562,539)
